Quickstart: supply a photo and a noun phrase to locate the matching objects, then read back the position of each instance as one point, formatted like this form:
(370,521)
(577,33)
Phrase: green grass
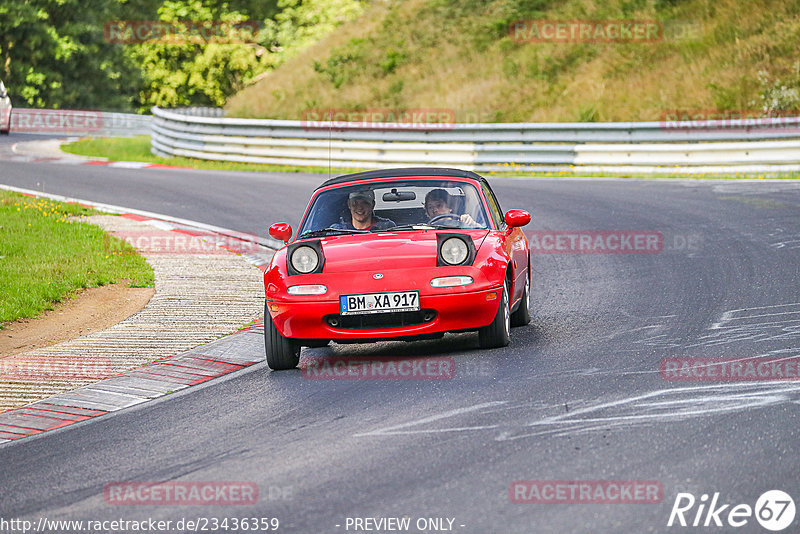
(138,149)
(45,255)
(713,55)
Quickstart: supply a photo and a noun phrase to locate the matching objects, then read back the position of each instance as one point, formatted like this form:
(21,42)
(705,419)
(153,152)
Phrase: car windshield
(395,205)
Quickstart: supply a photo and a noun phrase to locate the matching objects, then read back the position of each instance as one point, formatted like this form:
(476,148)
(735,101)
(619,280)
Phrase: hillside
(459,55)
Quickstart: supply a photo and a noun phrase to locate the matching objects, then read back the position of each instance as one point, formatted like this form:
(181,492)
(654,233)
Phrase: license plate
(398,301)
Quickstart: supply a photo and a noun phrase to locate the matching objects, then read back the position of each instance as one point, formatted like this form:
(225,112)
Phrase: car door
(515,244)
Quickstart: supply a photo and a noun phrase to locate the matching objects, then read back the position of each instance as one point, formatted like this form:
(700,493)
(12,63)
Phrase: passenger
(362,217)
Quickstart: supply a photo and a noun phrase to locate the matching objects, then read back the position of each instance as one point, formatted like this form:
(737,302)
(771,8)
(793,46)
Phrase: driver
(361,205)
(437,202)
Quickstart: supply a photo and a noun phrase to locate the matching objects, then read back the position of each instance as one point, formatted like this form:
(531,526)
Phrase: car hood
(386,250)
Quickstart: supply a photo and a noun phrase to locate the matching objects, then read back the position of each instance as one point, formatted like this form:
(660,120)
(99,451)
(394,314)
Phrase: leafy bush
(780,95)
(55,54)
(343,64)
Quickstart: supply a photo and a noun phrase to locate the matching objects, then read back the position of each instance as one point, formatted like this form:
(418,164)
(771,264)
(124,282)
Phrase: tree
(196,68)
(53,54)
(67,54)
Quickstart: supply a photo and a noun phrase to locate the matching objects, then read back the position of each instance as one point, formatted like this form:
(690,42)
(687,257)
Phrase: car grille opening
(380,320)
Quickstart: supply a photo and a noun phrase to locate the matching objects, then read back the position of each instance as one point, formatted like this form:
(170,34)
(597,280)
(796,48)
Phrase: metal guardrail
(749,145)
(79,122)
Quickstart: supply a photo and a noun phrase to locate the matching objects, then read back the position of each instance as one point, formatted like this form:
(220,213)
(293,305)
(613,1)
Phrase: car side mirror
(517,218)
(281,231)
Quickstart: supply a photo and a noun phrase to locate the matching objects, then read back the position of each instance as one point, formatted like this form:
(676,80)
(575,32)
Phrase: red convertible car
(397,254)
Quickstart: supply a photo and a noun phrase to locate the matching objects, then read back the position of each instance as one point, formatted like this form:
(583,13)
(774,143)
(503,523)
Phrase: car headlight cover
(454,251)
(305,259)
(451,281)
(309,289)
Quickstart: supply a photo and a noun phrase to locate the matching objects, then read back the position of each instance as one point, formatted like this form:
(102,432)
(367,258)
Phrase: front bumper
(467,310)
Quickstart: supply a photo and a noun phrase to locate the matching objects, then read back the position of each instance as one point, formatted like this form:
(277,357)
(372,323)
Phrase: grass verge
(138,149)
(45,255)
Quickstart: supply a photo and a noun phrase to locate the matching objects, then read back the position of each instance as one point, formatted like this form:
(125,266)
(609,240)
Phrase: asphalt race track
(576,396)
(236,200)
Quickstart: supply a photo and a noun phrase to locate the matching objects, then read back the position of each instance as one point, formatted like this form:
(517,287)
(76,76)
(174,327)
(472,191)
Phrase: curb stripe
(176,372)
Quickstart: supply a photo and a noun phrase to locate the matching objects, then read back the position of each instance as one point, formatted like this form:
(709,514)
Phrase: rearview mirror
(281,231)
(399,196)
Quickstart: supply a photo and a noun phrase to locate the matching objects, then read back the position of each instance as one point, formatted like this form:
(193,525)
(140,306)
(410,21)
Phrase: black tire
(282,352)
(522,316)
(498,333)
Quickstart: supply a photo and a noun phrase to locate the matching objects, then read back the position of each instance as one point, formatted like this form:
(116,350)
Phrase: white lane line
(730,315)
(395,430)
(651,408)
(744,396)
(129,164)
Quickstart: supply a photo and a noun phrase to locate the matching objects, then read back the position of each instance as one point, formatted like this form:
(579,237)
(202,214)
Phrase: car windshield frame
(471,197)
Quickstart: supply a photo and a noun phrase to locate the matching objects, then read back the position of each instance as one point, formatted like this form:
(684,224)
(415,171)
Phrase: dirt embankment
(91,310)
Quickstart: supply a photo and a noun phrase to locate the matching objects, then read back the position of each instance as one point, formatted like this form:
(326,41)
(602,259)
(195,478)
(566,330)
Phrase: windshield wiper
(326,231)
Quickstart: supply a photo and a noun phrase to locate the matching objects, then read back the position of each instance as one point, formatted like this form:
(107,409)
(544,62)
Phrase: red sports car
(397,254)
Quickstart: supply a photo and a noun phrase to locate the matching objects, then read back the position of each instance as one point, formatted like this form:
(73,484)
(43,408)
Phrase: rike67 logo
(774,510)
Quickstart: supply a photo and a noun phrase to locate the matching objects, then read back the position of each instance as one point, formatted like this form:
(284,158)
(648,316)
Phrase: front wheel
(498,333)
(282,352)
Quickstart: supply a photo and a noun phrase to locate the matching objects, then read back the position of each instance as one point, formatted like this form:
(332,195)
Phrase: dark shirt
(378,223)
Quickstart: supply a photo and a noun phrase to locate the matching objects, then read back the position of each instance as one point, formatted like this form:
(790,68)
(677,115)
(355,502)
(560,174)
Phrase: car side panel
(517,247)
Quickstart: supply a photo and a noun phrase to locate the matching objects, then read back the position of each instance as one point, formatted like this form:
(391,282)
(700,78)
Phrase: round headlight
(454,251)
(305,259)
